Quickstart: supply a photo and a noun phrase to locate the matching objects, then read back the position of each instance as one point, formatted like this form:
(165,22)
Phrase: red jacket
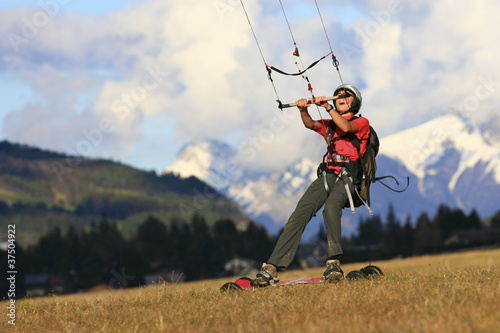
(344,147)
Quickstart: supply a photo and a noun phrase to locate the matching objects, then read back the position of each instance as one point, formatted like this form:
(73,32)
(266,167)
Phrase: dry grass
(445,293)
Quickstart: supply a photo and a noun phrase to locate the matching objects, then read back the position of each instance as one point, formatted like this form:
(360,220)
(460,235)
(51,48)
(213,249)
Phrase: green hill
(40,190)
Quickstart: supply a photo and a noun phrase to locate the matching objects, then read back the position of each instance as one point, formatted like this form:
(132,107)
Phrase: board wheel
(372,271)
(230,286)
(355,275)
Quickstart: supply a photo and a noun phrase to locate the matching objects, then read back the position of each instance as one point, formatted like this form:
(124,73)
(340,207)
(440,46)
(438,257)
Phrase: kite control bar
(311,100)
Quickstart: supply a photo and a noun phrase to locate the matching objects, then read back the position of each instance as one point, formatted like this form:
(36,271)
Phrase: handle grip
(289,105)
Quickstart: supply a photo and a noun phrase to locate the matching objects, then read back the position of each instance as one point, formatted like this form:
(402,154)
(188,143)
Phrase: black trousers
(312,200)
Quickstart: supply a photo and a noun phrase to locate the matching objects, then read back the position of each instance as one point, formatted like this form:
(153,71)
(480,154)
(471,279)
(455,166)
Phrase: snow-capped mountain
(269,199)
(207,160)
(451,161)
(448,161)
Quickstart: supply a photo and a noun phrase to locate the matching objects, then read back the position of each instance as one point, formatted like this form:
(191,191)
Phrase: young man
(333,189)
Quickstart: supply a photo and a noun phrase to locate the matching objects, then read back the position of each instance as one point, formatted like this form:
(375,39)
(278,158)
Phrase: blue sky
(136,80)
(91,7)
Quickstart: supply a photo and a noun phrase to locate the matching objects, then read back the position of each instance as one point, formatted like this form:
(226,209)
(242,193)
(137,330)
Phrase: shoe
(268,275)
(333,272)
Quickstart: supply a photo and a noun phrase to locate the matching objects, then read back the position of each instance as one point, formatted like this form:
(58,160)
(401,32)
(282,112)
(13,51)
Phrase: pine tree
(392,242)
(407,238)
(370,232)
(495,221)
(255,243)
(473,221)
(151,242)
(427,235)
(198,259)
(226,241)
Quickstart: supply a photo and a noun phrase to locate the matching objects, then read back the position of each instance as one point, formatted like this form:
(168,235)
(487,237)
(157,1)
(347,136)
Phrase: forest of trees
(100,254)
(449,230)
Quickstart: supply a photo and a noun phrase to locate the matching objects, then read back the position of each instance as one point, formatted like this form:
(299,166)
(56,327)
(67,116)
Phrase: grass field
(457,292)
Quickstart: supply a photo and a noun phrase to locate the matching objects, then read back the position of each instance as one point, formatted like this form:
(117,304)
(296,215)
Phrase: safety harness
(360,172)
(351,170)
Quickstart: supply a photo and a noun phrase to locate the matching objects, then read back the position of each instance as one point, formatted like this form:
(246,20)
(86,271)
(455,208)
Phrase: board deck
(245,283)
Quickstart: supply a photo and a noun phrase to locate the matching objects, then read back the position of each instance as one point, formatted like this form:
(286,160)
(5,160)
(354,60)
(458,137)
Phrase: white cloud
(417,61)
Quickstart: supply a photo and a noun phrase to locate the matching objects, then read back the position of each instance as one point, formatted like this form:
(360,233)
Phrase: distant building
(44,284)
(241,267)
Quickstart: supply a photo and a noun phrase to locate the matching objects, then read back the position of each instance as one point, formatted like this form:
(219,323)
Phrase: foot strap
(266,276)
(333,269)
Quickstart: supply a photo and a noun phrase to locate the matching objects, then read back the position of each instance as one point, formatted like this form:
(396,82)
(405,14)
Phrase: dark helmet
(356,104)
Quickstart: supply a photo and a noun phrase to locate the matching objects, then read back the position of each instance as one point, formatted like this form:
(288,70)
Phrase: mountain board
(245,283)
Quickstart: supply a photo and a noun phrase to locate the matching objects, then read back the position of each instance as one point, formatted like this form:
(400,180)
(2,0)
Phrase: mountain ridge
(449,161)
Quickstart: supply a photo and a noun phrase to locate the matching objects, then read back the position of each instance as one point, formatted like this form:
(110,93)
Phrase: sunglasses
(345,95)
